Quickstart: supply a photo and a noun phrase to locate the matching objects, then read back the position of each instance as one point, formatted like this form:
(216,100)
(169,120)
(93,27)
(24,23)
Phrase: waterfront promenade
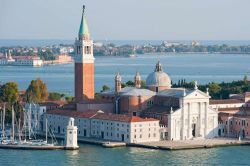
(192,144)
(165,145)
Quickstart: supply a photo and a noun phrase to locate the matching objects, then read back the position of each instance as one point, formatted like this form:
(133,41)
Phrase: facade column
(200,119)
(183,121)
(189,120)
(206,119)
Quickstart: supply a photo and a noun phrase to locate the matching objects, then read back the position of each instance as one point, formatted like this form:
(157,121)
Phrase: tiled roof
(174,92)
(247,94)
(95,101)
(160,109)
(95,114)
(74,114)
(122,118)
(138,92)
(26,57)
(112,92)
(236,109)
(225,101)
(53,103)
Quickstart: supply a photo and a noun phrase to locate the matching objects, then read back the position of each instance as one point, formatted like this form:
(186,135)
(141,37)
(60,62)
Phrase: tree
(105,88)
(9,92)
(130,83)
(245,80)
(55,96)
(37,91)
(143,84)
(69,98)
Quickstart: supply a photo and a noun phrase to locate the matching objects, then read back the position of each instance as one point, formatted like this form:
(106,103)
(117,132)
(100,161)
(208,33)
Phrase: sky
(127,19)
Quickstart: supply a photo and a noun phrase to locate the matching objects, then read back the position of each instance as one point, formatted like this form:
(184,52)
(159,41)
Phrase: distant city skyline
(126,20)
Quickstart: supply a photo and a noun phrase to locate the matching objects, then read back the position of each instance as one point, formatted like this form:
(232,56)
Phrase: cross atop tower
(83,8)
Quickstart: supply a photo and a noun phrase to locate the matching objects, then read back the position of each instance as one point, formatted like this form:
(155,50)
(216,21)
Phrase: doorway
(243,133)
(102,133)
(84,133)
(122,137)
(59,130)
(193,129)
(219,132)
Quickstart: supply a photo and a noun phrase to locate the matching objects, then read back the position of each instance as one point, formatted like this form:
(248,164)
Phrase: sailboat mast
(24,123)
(1,120)
(13,123)
(46,127)
(3,130)
(19,128)
(29,121)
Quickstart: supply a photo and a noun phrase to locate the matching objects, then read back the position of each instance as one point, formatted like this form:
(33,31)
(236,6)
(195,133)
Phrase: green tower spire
(84,29)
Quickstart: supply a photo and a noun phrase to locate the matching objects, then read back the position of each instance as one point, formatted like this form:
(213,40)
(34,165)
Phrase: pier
(191,144)
(25,147)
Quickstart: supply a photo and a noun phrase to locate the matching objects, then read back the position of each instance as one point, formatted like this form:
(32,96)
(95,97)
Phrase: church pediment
(196,94)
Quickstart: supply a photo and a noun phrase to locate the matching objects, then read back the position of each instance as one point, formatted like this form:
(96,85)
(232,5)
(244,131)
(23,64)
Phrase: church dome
(158,78)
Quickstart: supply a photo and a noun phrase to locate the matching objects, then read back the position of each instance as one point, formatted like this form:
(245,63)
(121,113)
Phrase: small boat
(131,55)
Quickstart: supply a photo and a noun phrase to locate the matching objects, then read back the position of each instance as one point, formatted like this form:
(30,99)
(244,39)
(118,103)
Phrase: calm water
(96,156)
(201,67)
(204,68)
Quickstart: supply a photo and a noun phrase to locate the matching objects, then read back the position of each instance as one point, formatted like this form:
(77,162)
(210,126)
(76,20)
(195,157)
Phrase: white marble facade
(194,119)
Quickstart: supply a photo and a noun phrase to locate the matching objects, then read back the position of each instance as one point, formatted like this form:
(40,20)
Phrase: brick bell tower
(84,63)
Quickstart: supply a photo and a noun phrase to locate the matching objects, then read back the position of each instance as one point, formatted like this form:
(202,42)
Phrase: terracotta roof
(160,109)
(95,101)
(225,101)
(95,114)
(122,118)
(247,94)
(53,103)
(26,57)
(74,114)
(236,109)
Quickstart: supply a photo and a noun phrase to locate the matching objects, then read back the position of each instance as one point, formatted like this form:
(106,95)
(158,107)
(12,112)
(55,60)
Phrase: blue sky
(127,19)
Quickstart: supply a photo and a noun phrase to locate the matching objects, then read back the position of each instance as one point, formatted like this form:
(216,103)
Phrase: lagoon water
(201,67)
(91,155)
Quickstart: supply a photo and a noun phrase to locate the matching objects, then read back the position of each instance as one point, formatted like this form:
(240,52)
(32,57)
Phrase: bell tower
(137,80)
(84,63)
(118,83)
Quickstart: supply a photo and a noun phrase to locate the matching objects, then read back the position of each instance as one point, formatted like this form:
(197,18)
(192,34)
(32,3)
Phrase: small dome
(158,77)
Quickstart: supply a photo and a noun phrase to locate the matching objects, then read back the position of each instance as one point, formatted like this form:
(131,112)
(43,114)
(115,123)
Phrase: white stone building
(194,118)
(96,124)
(186,114)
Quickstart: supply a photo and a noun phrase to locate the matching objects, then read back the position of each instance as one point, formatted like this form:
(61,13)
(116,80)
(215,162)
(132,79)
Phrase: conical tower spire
(84,29)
